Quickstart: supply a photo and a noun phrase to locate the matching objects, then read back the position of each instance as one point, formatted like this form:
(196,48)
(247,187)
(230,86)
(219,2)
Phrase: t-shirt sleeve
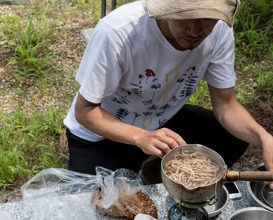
(220,72)
(100,72)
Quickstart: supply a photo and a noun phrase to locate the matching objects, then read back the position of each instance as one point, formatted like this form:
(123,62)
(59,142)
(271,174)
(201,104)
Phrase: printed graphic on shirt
(156,95)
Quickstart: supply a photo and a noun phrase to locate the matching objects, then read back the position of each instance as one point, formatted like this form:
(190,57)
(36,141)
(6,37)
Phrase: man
(141,66)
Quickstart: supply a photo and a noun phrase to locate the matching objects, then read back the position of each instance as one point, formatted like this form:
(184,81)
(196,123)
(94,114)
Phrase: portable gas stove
(186,211)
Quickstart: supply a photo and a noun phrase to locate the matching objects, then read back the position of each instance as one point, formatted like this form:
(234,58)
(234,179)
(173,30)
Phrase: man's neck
(164,28)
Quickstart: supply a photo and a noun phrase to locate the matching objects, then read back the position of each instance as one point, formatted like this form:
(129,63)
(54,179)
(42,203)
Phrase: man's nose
(194,28)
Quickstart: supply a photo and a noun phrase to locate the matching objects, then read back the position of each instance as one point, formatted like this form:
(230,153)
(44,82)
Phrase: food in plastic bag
(60,194)
(120,194)
(127,205)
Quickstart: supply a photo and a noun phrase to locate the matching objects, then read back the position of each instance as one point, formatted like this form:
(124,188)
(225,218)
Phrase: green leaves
(253,27)
(201,95)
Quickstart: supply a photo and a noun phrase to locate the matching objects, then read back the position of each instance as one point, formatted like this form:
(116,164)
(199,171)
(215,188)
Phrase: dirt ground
(69,54)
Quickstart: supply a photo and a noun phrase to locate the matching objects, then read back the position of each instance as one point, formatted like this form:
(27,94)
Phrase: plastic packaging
(58,194)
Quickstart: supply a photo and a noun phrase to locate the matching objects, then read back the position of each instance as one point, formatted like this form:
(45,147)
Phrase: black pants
(196,125)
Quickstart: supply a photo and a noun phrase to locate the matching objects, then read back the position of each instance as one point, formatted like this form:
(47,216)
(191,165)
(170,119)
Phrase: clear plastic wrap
(58,194)
(113,184)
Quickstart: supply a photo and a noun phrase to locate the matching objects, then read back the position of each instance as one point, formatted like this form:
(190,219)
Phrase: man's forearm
(107,125)
(102,122)
(235,119)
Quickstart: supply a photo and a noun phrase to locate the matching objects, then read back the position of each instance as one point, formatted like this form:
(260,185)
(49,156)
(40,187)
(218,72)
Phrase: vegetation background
(41,46)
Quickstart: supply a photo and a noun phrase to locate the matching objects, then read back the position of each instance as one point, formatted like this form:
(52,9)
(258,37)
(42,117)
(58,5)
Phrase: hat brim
(195,14)
(188,9)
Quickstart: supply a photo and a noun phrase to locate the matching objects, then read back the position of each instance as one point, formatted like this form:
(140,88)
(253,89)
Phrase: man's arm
(236,119)
(103,123)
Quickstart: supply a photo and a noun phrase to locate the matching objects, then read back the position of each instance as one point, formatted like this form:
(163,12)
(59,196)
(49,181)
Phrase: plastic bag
(122,181)
(58,194)
(120,197)
(53,194)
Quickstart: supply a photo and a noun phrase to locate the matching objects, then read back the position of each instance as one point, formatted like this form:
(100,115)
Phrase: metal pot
(255,189)
(251,213)
(206,194)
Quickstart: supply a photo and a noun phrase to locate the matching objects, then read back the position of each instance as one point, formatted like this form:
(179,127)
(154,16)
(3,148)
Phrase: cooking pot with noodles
(193,174)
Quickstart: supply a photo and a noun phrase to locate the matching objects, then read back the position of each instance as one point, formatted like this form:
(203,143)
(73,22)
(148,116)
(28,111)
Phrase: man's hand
(268,155)
(158,142)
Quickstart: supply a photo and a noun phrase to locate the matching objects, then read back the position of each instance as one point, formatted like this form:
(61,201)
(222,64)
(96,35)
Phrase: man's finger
(179,140)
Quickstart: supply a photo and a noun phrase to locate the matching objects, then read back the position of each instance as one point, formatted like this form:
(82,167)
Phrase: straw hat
(192,9)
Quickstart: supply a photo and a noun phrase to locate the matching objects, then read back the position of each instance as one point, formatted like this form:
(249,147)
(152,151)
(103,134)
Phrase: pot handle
(254,176)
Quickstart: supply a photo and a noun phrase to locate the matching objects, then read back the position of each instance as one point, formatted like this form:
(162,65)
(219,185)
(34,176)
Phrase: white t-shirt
(138,76)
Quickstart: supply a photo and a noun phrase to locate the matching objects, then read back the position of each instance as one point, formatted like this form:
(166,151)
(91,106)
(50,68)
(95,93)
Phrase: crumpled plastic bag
(120,196)
(58,194)
(113,184)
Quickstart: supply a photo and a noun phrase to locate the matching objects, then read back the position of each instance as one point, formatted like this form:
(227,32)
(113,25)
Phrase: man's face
(186,34)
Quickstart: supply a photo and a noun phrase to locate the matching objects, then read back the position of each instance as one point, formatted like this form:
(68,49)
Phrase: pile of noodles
(193,170)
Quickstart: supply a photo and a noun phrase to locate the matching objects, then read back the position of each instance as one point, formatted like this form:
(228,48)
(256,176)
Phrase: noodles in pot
(193,170)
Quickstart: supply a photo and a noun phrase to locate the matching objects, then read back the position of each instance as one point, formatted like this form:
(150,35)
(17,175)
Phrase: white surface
(5,216)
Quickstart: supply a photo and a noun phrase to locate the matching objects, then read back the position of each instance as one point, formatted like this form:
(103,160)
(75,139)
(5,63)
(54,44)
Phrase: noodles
(193,170)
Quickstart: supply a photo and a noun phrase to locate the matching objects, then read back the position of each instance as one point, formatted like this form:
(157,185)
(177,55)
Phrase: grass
(29,139)
(28,42)
(254,27)
(28,144)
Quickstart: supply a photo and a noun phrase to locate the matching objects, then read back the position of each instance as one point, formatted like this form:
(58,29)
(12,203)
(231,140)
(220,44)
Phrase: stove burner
(180,212)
